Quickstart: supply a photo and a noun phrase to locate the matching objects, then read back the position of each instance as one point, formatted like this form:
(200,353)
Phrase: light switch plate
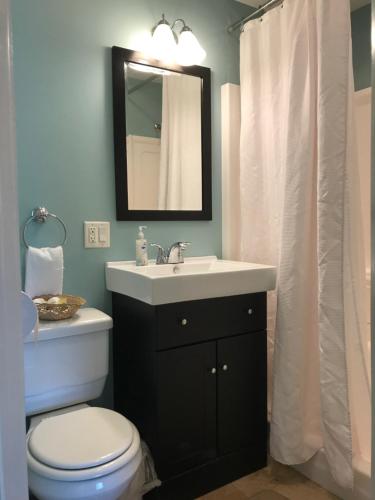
(97,234)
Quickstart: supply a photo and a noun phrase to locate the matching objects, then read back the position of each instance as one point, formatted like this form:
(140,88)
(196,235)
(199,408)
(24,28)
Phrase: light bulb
(163,43)
(189,50)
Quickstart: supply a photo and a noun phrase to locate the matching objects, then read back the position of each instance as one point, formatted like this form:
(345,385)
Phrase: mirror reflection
(163,139)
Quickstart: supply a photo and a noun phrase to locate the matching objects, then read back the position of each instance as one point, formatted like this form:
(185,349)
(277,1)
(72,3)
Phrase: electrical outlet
(96,234)
(93,235)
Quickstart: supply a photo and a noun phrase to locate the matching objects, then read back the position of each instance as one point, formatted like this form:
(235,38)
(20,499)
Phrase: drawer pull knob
(250,312)
(213,371)
(184,322)
(225,368)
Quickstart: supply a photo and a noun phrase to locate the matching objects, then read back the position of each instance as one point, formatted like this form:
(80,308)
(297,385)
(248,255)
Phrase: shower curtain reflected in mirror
(300,211)
(180,184)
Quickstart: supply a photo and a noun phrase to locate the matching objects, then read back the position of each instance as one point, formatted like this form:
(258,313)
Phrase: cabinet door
(242,392)
(186,408)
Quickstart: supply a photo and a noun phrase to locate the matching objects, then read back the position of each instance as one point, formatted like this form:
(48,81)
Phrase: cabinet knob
(250,312)
(225,368)
(184,322)
(213,371)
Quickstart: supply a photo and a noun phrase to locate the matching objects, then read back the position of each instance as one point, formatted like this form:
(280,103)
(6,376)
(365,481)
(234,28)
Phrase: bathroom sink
(197,278)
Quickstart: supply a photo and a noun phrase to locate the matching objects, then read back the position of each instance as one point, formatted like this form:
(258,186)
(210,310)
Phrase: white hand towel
(44,271)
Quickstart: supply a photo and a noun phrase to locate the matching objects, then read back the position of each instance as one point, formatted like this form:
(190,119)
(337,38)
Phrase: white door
(13,472)
(143,157)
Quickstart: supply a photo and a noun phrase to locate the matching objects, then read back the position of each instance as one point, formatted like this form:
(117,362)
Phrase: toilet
(75,451)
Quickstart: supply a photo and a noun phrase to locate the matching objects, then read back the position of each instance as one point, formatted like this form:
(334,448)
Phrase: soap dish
(68,306)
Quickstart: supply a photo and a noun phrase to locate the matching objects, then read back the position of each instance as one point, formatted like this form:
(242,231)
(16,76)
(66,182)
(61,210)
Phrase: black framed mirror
(162,138)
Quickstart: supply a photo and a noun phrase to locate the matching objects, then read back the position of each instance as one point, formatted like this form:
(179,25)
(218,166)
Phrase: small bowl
(56,312)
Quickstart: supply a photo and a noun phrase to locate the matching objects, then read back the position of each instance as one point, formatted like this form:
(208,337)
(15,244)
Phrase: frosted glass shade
(163,44)
(189,50)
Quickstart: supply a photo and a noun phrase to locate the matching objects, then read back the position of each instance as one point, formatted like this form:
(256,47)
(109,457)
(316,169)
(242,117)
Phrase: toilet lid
(81,439)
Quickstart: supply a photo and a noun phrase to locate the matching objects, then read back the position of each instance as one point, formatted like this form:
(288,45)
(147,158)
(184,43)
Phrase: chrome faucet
(174,254)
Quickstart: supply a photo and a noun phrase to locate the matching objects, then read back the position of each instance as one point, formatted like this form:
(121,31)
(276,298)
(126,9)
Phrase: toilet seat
(81,439)
(83,444)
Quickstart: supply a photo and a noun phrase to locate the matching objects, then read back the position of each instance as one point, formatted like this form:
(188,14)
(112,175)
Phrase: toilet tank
(66,362)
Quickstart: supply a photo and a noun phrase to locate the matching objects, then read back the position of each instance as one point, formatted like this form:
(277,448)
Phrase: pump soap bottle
(141,248)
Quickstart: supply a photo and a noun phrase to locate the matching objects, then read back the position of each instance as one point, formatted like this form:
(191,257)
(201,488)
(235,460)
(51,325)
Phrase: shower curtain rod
(267,6)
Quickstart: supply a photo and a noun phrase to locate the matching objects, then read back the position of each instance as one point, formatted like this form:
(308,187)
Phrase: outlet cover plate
(97,234)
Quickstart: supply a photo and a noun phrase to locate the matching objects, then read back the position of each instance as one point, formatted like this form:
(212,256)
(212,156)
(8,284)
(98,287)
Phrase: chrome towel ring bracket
(40,215)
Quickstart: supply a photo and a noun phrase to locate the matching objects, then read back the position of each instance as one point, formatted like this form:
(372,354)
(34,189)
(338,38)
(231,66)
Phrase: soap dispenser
(141,248)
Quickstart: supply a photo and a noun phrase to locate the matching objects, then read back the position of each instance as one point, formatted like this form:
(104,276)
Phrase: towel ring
(40,215)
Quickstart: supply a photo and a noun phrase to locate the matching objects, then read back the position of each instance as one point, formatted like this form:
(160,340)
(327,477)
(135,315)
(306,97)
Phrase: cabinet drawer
(199,320)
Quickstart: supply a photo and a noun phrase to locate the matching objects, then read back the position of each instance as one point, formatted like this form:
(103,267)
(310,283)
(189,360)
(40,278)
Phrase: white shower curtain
(180,186)
(298,200)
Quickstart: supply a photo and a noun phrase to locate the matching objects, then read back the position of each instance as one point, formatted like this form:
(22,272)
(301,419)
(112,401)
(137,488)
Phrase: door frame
(373,244)
(13,466)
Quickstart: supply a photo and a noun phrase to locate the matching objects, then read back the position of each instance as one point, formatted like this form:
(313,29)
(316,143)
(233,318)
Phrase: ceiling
(355,4)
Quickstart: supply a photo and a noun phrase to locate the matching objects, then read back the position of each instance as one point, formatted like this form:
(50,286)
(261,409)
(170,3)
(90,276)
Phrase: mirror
(162,132)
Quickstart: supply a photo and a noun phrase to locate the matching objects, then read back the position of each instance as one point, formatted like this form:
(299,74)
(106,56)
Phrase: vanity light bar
(168,46)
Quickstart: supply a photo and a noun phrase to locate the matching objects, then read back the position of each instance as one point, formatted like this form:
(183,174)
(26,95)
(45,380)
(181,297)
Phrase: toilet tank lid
(86,320)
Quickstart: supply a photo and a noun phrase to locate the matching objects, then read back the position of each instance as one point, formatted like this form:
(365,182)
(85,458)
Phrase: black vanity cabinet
(192,376)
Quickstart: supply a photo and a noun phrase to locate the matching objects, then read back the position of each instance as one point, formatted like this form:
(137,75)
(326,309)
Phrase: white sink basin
(197,278)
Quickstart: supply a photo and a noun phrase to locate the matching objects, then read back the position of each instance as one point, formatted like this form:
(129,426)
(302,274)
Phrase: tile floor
(275,482)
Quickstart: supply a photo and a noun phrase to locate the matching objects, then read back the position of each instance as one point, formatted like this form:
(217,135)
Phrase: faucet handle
(160,259)
(175,252)
(184,244)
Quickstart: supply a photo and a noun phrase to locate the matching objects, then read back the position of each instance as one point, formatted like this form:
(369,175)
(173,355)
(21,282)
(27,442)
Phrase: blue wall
(361,35)
(62,64)
(62,69)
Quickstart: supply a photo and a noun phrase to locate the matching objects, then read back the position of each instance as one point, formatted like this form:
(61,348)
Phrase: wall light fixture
(170,47)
